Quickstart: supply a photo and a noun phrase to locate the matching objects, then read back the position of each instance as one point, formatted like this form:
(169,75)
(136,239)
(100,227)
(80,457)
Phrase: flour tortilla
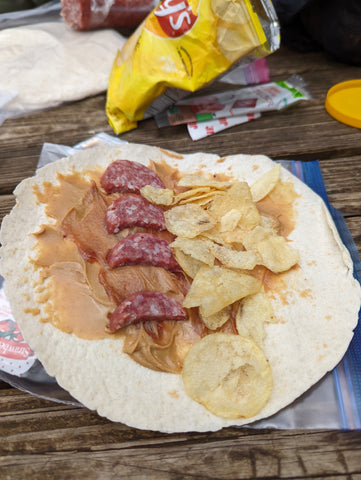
(315,324)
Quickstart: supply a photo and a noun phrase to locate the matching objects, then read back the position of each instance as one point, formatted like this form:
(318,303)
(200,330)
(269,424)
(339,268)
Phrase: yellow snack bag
(182,46)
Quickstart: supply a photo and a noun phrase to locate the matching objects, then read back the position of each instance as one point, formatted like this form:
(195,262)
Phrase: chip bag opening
(182,46)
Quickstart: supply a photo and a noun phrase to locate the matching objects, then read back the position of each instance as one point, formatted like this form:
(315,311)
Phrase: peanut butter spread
(78,290)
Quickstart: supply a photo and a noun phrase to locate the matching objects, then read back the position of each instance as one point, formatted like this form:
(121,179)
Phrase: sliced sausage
(124,176)
(144,306)
(131,210)
(143,249)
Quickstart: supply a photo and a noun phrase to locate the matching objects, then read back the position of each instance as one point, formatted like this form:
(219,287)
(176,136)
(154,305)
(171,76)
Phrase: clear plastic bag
(47,12)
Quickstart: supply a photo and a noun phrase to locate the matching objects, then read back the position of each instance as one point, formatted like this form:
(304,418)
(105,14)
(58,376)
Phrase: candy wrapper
(199,130)
(209,114)
(182,46)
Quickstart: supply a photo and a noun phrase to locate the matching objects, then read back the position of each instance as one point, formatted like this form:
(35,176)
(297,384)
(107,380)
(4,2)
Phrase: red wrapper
(92,14)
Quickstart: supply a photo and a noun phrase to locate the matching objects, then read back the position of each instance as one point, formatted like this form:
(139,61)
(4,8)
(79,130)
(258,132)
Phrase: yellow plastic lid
(343,102)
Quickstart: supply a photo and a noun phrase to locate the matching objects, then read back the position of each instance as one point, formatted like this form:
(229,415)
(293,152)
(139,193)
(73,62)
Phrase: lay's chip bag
(182,46)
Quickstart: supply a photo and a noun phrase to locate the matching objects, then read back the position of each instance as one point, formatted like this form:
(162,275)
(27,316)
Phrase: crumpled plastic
(45,12)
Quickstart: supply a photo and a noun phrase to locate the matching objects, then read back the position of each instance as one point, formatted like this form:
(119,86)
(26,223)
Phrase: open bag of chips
(182,46)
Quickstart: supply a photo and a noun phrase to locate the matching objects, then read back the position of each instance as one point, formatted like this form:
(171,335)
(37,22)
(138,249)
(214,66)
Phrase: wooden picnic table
(41,439)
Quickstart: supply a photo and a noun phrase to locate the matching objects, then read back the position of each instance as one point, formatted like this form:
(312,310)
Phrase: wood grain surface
(41,439)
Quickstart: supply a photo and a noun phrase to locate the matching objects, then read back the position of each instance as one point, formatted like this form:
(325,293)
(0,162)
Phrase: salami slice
(143,306)
(131,210)
(143,249)
(124,176)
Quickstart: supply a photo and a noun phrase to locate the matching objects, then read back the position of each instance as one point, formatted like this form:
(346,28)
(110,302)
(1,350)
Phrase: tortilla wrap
(314,327)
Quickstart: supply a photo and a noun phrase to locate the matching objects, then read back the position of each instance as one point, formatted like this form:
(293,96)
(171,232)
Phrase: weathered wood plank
(56,440)
(247,455)
(6,204)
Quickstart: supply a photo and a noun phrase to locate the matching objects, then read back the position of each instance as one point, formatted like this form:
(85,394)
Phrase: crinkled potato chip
(235,237)
(198,248)
(189,264)
(218,319)
(188,220)
(191,193)
(204,200)
(243,260)
(230,220)
(199,199)
(253,312)
(265,184)
(255,236)
(214,288)
(159,196)
(214,235)
(239,198)
(228,374)
(270,223)
(193,180)
(276,254)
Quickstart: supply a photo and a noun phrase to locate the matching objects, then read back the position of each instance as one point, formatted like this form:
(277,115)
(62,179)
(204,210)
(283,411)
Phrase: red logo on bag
(175,17)
(12,344)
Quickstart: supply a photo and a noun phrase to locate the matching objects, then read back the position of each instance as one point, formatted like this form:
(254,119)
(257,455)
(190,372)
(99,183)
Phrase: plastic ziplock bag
(334,402)
(47,12)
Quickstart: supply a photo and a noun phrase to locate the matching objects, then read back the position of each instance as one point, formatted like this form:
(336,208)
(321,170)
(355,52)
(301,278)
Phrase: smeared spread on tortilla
(84,290)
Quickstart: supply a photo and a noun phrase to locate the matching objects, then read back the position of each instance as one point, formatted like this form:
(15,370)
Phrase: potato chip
(193,192)
(198,248)
(189,265)
(159,196)
(276,254)
(230,220)
(197,199)
(194,180)
(214,235)
(202,201)
(235,237)
(255,236)
(214,288)
(218,319)
(228,374)
(188,220)
(270,223)
(238,197)
(253,312)
(265,184)
(230,258)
